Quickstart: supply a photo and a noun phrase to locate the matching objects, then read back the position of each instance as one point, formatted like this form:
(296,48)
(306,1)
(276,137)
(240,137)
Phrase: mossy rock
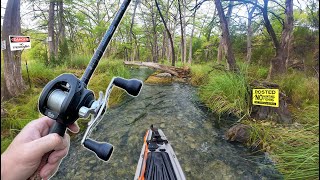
(154,79)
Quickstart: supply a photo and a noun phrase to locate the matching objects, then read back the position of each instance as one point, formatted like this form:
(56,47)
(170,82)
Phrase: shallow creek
(200,147)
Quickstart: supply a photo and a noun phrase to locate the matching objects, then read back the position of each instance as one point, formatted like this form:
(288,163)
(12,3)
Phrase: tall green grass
(301,89)
(226,93)
(199,74)
(297,152)
(39,73)
(79,61)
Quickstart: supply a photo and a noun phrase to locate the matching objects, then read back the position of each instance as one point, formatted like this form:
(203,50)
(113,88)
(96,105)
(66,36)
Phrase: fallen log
(153,65)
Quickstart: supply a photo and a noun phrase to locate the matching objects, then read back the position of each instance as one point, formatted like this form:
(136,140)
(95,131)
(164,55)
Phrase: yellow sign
(265,97)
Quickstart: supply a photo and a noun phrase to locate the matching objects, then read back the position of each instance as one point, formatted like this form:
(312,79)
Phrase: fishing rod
(66,98)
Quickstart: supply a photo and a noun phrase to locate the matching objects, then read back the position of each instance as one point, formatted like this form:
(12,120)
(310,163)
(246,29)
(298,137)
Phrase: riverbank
(294,148)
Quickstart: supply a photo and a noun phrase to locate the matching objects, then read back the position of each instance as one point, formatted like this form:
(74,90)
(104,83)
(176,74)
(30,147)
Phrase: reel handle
(56,128)
(132,86)
(102,150)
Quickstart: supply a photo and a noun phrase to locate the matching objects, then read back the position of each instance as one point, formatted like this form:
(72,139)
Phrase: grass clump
(20,111)
(199,73)
(256,72)
(301,90)
(39,74)
(296,152)
(79,61)
(226,93)
(113,68)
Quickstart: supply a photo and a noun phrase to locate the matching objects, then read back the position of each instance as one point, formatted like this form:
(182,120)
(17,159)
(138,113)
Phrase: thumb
(46,143)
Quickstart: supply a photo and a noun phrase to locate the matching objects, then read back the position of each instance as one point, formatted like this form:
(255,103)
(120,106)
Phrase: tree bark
(51,36)
(287,33)
(155,38)
(168,32)
(226,37)
(249,35)
(278,63)
(191,37)
(13,81)
(222,44)
(132,35)
(182,32)
(184,4)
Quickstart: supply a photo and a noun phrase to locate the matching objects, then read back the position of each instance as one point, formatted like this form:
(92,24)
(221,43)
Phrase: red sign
(18,43)
(19,39)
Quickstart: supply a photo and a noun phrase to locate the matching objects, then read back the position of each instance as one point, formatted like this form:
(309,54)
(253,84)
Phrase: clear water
(200,147)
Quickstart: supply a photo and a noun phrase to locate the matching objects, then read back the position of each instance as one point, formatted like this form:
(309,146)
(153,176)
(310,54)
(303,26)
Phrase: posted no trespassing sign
(19,42)
(265,97)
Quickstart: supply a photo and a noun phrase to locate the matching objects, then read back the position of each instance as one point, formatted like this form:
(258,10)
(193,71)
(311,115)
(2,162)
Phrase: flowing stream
(200,147)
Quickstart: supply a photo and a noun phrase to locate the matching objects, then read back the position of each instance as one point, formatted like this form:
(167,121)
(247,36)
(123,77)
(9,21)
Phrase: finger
(74,127)
(43,125)
(49,169)
(48,143)
(56,156)
(35,129)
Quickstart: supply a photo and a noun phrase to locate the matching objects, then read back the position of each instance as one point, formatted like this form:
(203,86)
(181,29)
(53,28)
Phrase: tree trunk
(62,29)
(226,37)
(13,82)
(168,32)
(132,35)
(278,63)
(287,34)
(155,38)
(182,32)
(191,37)
(221,42)
(249,35)
(51,36)
(184,4)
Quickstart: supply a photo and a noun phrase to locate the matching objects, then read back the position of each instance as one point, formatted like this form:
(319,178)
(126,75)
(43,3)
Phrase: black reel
(65,99)
(61,100)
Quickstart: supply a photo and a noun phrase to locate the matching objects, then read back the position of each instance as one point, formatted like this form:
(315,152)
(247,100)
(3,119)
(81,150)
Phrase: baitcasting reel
(65,99)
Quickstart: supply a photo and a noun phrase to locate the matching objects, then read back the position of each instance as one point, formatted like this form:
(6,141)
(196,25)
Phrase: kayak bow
(157,159)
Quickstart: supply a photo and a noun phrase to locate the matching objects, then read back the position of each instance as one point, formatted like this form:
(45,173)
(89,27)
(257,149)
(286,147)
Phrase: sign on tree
(19,42)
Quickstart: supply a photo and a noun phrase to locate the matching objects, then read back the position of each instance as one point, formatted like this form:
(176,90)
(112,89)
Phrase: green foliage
(113,68)
(64,54)
(21,110)
(199,74)
(39,73)
(226,93)
(297,152)
(262,50)
(301,90)
(256,72)
(79,61)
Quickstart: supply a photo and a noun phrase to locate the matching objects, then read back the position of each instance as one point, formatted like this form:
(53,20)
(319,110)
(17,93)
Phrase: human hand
(23,156)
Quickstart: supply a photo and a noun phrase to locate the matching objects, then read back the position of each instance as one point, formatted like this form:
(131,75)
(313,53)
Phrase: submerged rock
(239,133)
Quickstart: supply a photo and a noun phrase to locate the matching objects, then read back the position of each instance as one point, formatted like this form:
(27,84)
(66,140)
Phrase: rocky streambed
(200,147)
